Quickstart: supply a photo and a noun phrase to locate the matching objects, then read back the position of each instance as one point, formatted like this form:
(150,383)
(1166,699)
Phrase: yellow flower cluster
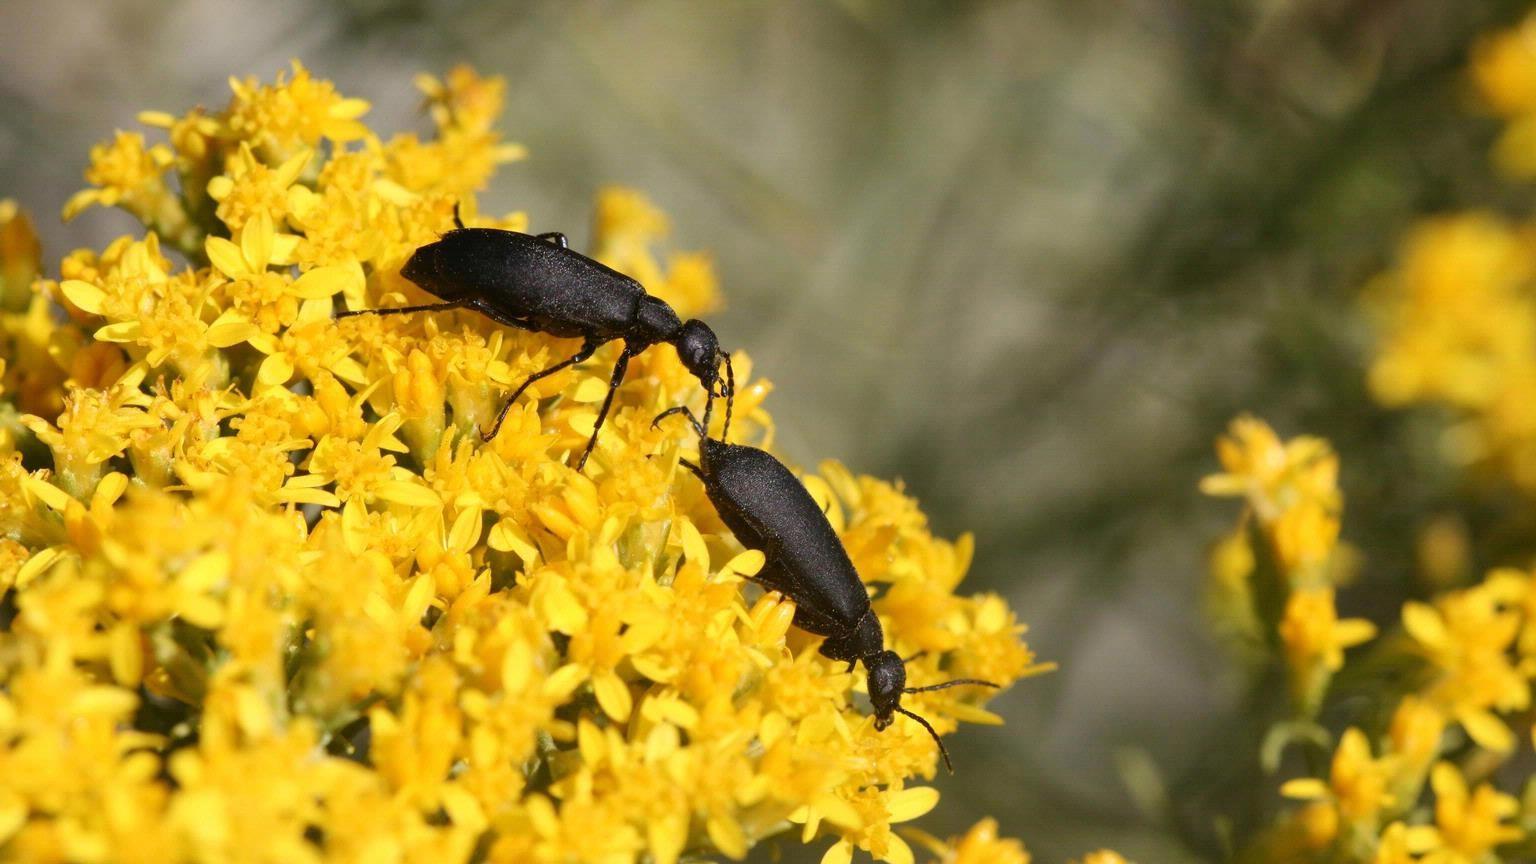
(1457,314)
(1292,518)
(1475,649)
(1457,324)
(1504,72)
(270,598)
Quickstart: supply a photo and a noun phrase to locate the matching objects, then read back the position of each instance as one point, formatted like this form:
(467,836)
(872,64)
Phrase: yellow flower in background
(1457,326)
(980,845)
(1315,639)
(1470,823)
(1357,783)
(1467,636)
(1292,488)
(1104,856)
(275,595)
(1402,844)
(1504,71)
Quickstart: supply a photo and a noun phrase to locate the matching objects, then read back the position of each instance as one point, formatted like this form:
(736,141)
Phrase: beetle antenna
(943,751)
(730,394)
(709,410)
(948,684)
(457,222)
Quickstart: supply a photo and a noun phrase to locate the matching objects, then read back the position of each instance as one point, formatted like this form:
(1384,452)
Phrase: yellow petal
(122,331)
(505,536)
(667,836)
(1304,788)
(726,835)
(554,602)
(839,812)
(840,852)
(230,328)
(407,493)
(898,852)
(256,241)
(748,563)
(327,281)
(1487,730)
(288,172)
(220,187)
(462,808)
(275,370)
(283,247)
(590,390)
(226,257)
(465,532)
(205,572)
(13,814)
(104,699)
(1424,624)
(693,544)
(908,804)
(84,295)
(349,109)
(565,680)
(49,494)
(1353,631)
(612,695)
(38,564)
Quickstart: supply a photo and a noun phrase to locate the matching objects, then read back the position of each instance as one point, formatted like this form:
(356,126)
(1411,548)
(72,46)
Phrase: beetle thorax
(654,322)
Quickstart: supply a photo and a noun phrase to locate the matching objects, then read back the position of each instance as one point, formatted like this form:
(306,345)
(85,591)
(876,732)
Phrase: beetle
(769,509)
(538,283)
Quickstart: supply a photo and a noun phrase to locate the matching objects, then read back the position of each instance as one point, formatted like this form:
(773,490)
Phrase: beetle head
(887,680)
(699,350)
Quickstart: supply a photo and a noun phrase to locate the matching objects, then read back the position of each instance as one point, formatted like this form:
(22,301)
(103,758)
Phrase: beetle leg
(556,238)
(586,351)
(401,310)
(613,386)
(694,468)
(683,410)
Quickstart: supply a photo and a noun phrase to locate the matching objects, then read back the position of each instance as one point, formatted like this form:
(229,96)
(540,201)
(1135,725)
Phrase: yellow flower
(1414,741)
(20,257)
(1402,844)
(1357,784)
(980,845)
(1315,640)
(1292,487)
(251,189)
(1470,824)
(1467,635)
(276,598)
(1457,325)
(296,112)
(1504,69)
(130,174)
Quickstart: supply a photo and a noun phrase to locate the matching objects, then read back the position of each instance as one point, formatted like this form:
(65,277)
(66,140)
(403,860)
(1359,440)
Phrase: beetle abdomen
(753,490)
(555,290)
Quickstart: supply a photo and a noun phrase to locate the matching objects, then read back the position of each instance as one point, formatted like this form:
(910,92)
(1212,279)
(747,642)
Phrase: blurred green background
(1028,256)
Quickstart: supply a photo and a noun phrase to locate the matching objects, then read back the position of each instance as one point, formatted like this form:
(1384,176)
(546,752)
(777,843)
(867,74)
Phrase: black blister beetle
(769,509)
(538,283)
